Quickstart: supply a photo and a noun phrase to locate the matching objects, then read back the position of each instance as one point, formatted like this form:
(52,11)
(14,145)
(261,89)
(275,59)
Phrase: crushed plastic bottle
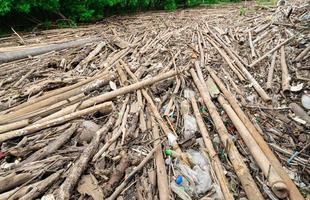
(190,126)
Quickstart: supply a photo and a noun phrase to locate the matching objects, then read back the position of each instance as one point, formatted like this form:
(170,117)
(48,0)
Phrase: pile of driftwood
(195,104)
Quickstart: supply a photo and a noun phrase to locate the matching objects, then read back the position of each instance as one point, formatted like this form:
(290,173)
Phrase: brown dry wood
(14,180)
(171,101)
(252,80)
(116,134)
(24,53)
(18,192)
(56,92)
(302,54)
(24,77)
(53,146)
(92,54)
(120,188)
(23,151)
(294,193)
(36,127)
(270,71)
(53,100)
(117,175)
(162,177)
(227,59)
(80,165)
(215,161)
(271,51)
(285,75)
(274,181)
(42,186)
(237,161)
(110,95)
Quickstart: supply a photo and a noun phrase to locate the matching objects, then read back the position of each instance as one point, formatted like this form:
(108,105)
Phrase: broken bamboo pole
(215,161)
(294,193)
(37,127)
(20,54)
(14,126)
(80,165)
(162,181)
(240,167)
(271,51)
(274,180)
(270,71)
(285,75)
(302,54)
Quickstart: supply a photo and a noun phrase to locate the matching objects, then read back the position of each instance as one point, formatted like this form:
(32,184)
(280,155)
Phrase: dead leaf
(89,185)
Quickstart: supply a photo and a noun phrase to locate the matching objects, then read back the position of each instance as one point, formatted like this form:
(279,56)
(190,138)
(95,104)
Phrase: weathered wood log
(16,55)
(237,161)
(53,146)
(285,75)
(14,180)
(36,127)
(14,125)
(42,186)
(294,193)
(302,54)
(274,180)
(80,165)
(215,161)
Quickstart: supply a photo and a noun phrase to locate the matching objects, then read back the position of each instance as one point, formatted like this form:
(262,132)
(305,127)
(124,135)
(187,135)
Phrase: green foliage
(44,12)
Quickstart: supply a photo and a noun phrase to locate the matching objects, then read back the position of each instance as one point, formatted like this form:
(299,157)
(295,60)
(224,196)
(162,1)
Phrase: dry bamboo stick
(50,101)
(53,146)
(24,77)
(270,71)
(114,136)
(285,75)
(302,54)
(14,126)
(120,188)
(215,161)
(110,95)
(42,186)
(294,193)
(36,127)
(14,180)
(175,91)
(19,54)
(248,75)
(227,59)
(240,167)
(55,92)
(251,45)
(92,54)
(271,51)
(80,165)
(162,181)
(274,181)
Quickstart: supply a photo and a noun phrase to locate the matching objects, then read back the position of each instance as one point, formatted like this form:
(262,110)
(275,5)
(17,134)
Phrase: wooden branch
(237,161)
(36,127)
(14,125)
(80,165)
(215,161)
(285,75)
(294,193)
(20,54)
(14,180)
